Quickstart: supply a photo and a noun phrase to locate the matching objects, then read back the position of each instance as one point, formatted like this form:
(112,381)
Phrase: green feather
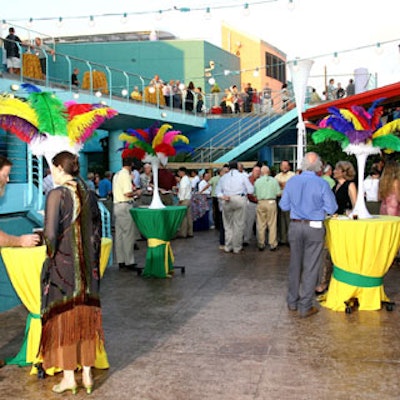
(144,146)
(50,112)
(326,133)
(389,141)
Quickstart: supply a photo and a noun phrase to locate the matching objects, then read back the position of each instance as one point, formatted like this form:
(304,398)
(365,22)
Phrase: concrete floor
(222,331)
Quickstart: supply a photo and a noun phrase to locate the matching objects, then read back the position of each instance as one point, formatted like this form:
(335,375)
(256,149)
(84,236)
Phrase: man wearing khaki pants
(266,190)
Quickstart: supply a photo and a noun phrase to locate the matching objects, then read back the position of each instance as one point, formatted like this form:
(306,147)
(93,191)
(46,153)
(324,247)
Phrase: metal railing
(242,129)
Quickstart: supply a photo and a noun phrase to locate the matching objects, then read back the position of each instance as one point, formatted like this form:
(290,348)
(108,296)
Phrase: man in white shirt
(233,189)
(205,188)
(184,196)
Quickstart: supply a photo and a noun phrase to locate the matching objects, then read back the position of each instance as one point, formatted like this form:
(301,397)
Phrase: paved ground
(222,332)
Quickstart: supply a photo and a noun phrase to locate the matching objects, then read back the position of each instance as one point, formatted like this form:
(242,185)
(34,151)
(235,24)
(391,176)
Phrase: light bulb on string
(152,89)
(207,14)
(60,22)
(92,22)
(98,94)
(211,81)
(124,18)
(159,15)
(75,96)
(227,72)
(379,49)
(124,92)
(4,24)
(256,73)
(291,5)
(335,59)
(29,23)
(181,86)
(246,10)
(295,66)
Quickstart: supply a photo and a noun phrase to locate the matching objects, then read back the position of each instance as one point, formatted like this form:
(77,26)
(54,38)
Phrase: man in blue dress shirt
(309,198)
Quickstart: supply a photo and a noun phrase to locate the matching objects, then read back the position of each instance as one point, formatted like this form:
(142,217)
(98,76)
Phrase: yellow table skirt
(24,266)
(362,251)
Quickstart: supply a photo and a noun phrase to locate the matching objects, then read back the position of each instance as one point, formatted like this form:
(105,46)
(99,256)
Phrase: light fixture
(163,114)
(103,103)
(246,10)
(379,49)
(124,92)
(124,18)
(335,59)
(211,81)
(159,15)
(14,87)
(182,86)
(98,94)
(4,24)
(29,23)
(291,5)
(75,96)
(60,22)
(227,72)
(152,89)
(92,22)
(256,73)
(207,15)
(295,66)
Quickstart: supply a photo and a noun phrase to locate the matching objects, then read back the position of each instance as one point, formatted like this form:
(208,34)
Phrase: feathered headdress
(358,126)
(48,125)
(153,142)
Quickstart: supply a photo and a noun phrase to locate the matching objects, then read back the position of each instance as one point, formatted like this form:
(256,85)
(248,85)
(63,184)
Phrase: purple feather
(357,137)
(132,132)
(24,130)
(340,124)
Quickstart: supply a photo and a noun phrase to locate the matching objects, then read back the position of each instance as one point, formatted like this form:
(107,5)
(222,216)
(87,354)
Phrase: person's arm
(352,194)
(51,223)
(29,240)
(396,188)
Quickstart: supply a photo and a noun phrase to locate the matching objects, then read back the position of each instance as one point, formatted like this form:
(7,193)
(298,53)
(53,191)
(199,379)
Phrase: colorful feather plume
(154,141)
(44,116)
(358,126)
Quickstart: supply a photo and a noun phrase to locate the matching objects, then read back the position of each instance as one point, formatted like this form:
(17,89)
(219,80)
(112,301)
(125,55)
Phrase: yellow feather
(390,127)
(160,135)
(124,137)
(18,108)
(181,138)
(349,116)
(80,122)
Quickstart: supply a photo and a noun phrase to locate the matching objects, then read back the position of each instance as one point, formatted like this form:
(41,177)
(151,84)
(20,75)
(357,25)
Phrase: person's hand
(29,240)
(226,198)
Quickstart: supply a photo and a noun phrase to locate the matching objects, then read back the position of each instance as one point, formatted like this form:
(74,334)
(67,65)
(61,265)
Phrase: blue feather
(374,105)
(132,132)
(183,148)
(30,88)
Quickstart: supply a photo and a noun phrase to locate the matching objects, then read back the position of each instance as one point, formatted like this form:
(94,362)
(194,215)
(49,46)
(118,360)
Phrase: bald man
(309,198)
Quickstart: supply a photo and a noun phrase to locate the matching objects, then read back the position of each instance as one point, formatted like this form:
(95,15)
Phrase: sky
(311,29)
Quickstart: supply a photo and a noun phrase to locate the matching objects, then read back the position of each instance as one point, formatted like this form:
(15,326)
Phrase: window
(275,67)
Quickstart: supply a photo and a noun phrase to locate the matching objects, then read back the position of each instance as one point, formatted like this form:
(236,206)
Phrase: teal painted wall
(171,59)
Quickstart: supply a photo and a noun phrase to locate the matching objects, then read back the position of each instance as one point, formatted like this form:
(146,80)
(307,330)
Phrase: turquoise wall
(171,59)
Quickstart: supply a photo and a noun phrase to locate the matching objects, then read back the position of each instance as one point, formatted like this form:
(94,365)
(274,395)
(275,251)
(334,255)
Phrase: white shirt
(234,183)
(371,188)
(195,180)
(202,185)
(185,189)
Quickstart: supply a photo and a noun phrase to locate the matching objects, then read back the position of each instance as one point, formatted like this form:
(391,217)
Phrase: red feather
(77,109)
(133,153)
(167,149)
(144,134)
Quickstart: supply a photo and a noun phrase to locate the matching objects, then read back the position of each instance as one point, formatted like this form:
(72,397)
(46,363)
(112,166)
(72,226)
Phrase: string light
(29,23)
(379,49)
(207,15)
(92,22)
(291,5)
(159,15)
(4,24)
(246,10)
(227,72)
(98,94)
(60,22)
(211,81)
(124,92)
(256,73)
(124,18)
(335,59)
